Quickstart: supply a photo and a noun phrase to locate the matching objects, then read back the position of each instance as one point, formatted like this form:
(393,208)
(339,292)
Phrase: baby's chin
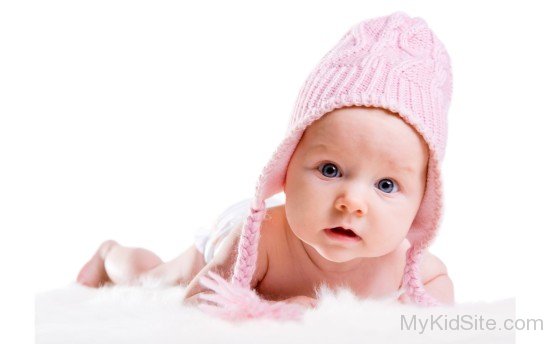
(342,257)
(339,254)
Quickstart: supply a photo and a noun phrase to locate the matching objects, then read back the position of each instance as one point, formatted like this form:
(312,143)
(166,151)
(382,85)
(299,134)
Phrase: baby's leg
(130,266)
(178,271)
(116,264)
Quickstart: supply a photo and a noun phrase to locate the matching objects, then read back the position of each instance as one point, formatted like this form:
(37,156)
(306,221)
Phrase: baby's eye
(387,185)
(329,170)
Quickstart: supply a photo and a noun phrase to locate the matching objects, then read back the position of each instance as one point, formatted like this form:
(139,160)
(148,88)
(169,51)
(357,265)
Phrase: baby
(360,169)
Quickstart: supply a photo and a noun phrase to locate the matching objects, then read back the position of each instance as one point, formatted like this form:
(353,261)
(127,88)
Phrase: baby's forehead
(357,124)
(361,130)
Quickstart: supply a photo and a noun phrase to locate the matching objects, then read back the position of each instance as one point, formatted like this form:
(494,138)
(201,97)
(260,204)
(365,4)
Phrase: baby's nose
(354,206)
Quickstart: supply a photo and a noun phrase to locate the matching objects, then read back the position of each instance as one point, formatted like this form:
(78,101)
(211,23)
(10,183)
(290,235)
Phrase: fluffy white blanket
(156,315)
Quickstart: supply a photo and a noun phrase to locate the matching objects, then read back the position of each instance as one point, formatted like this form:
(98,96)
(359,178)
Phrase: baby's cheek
(305,199)
(399,226)
(387,239)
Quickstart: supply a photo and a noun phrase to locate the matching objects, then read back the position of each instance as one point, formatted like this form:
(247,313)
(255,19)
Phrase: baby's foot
(93,273)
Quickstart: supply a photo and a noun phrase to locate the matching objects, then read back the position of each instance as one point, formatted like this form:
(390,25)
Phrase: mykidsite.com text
(466,322)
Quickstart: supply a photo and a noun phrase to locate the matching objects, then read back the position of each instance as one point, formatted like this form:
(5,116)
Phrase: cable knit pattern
(393,62)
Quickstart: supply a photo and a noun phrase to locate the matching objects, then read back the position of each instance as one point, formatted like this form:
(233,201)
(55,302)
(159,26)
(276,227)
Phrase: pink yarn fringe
(236,303)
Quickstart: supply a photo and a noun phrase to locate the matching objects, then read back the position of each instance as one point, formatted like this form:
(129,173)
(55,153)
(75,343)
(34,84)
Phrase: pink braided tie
(412,281)
(248,247)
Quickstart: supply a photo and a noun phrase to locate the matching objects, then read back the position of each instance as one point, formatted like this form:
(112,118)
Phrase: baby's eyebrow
(322,146)
(402,168)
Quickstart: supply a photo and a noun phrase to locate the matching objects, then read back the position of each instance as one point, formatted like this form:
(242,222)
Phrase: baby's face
(359,168)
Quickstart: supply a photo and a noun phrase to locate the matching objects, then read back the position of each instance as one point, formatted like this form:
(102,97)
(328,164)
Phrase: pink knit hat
(393,62)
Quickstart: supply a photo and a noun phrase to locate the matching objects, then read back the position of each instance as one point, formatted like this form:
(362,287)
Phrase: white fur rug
(153,315)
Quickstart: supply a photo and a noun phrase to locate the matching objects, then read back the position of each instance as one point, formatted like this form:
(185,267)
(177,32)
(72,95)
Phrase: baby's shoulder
(270,236)
(430,265)
(271,232)
(273,242)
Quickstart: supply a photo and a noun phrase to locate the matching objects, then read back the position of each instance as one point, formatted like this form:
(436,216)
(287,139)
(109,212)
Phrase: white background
(141,121)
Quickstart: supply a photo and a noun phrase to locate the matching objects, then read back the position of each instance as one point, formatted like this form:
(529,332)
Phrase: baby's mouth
(345,232)
(341,230)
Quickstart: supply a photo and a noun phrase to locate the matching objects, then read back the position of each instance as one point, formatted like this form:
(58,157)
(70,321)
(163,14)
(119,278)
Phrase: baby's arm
(435,279)
(222,263)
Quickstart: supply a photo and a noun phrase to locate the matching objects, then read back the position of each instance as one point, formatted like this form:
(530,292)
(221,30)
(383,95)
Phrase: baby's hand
(303,300)
(404,299)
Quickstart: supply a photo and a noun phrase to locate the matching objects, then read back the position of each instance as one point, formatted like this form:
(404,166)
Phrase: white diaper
(209,240)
